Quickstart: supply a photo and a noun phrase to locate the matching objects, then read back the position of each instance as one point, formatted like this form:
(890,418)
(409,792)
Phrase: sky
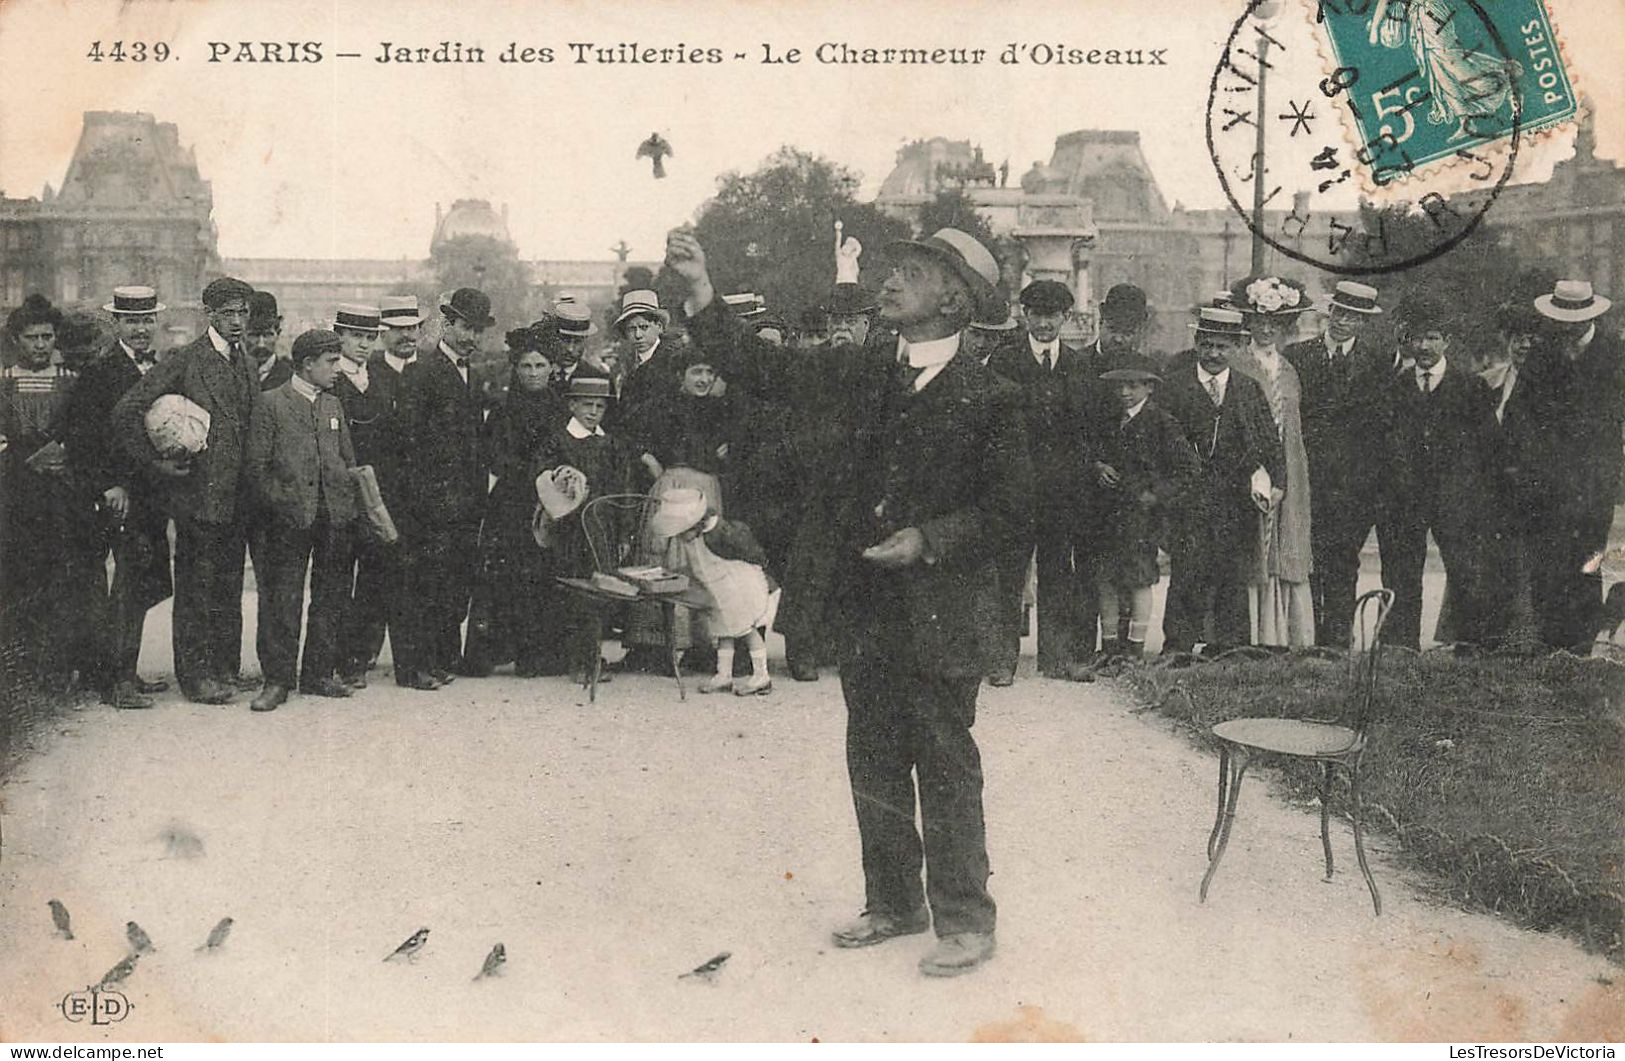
(347,157)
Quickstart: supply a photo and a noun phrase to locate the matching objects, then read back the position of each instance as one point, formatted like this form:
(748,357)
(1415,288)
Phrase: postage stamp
(1431,79)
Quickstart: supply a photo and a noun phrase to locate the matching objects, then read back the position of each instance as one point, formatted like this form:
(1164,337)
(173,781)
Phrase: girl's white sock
(725,660)
(758,661)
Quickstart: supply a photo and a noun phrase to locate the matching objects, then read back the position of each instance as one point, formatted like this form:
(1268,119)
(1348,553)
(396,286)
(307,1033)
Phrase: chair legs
(1238,769)
(1359,842)
(1325,815)
(1218,815)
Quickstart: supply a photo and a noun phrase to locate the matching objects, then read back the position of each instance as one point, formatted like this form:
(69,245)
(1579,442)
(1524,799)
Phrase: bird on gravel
(59,917)
(493,962)
(140,942)
(708,971)
(119,973)
(410,948)
(217,935)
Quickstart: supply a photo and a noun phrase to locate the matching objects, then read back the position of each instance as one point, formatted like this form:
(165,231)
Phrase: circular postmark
(1389,98)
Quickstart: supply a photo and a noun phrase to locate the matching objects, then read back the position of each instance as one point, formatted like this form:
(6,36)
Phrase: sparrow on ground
(118,973)
(217,935)
(140,942)
(493,962)
(410,948)
(709,970)
(59,917)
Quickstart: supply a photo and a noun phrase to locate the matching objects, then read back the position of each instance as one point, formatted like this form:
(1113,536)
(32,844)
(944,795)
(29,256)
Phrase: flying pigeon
(217,935)
(493,962)
(655,148)
(410,948)
(709,970)
(140,942)
(118,973)
(59,917)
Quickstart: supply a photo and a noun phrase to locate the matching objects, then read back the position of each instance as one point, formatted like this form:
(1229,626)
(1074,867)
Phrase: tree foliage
(952,208)
(773,231)
(493,267)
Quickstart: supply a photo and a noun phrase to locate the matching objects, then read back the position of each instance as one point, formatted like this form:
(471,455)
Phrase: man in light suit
(203,496)
(298,467)
(937,486)
(439,419)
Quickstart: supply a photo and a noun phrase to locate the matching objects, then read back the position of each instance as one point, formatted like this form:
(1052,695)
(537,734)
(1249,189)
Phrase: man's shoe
(957,954)
(240,682)
(354,677)
(146,688)
(442,676)
(413,679)
(1001,680)
(874,928)
(803,670)
(325,687)
(125,695)
(209,691)
(271,697)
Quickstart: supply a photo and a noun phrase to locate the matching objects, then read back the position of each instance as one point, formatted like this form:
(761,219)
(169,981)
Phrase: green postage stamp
(1428,80)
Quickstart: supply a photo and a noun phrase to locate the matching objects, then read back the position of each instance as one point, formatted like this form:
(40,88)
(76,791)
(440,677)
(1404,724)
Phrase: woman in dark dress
(515,614)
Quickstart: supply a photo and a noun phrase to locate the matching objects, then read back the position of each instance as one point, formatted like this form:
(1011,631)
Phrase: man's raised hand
(685,256)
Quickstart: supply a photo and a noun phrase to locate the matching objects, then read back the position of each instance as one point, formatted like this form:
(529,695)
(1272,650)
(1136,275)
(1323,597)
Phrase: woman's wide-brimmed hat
(1269,296)
(679,510)
(134,300)
(642,303)
(1572,301)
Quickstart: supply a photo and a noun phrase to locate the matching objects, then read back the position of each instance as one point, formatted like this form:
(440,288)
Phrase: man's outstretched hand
(686,258)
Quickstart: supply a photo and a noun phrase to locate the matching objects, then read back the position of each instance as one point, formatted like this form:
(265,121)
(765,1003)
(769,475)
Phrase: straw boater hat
(1008,324)
(1354,297)
(1216,320)
(358,317)
(679,510)
(134,300)
(970,261)
(573,319)
(399,311)
(745,304)
(589,385)
(1133,368)
(1572,301)
(642,303)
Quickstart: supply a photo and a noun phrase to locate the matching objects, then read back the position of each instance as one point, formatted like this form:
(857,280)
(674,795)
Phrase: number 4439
(132,52)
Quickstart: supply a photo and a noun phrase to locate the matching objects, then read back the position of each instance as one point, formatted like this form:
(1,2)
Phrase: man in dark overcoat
(1216,537)
(133,521)
(440,417)
(1053,381)
(937,486)
(204,495)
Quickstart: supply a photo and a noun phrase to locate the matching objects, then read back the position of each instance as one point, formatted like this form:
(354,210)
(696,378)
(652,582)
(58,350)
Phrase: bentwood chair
(1331,744)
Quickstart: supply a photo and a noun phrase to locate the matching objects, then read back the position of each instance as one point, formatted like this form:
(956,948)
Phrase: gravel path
(611,847)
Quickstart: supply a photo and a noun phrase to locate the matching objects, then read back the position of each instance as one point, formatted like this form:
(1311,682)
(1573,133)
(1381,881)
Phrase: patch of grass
(1503,778)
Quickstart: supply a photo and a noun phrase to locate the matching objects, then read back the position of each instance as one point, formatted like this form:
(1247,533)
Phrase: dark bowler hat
(585,384)
(134,300)
(970,261)
(262,312)
(471,305)
(1125,304)
(849,300)
(225,290)
(1047,296)
(358,317)
(314,343)
(1136,367)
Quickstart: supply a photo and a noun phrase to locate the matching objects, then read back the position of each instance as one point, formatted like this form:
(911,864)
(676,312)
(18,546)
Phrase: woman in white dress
(1283,610)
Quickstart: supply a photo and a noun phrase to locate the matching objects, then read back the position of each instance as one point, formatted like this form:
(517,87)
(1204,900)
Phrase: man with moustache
(260,337)
(130,516)
(440,458)
(203,495)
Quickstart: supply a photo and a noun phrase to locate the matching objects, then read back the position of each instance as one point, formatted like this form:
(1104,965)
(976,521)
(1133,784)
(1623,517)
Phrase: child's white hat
(678,511)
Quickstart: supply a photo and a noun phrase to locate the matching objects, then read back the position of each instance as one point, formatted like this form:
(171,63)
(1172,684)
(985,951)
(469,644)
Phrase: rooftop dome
(470,217)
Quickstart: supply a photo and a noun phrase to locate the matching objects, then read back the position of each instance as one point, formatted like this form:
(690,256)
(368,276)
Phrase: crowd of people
(898,463)
(1257,462)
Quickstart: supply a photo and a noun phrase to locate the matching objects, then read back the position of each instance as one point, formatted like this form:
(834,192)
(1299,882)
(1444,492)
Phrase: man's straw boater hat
(573,319)
(358,317)
(1354,297)
(134,300)
(1572,301)
(1214,320)
(399,311)
(641,303)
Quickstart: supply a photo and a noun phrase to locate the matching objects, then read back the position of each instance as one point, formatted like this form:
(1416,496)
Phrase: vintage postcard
(535,520)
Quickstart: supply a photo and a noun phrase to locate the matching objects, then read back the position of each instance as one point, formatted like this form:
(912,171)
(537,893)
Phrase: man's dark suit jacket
(295,448)
(1344,408)
(1052,409)
(1232,440)
(97,463)
(950,460)
(439,438)
(1439,446)
(281,371)
(225,389)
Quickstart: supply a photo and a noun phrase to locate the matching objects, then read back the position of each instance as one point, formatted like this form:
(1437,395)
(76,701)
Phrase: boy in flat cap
(298,467)
(1052,377)
(936,487)
(203,495)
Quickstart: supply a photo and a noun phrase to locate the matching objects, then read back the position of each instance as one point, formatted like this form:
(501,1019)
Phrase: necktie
(1213,390)
(1048,365)
(1424,380)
